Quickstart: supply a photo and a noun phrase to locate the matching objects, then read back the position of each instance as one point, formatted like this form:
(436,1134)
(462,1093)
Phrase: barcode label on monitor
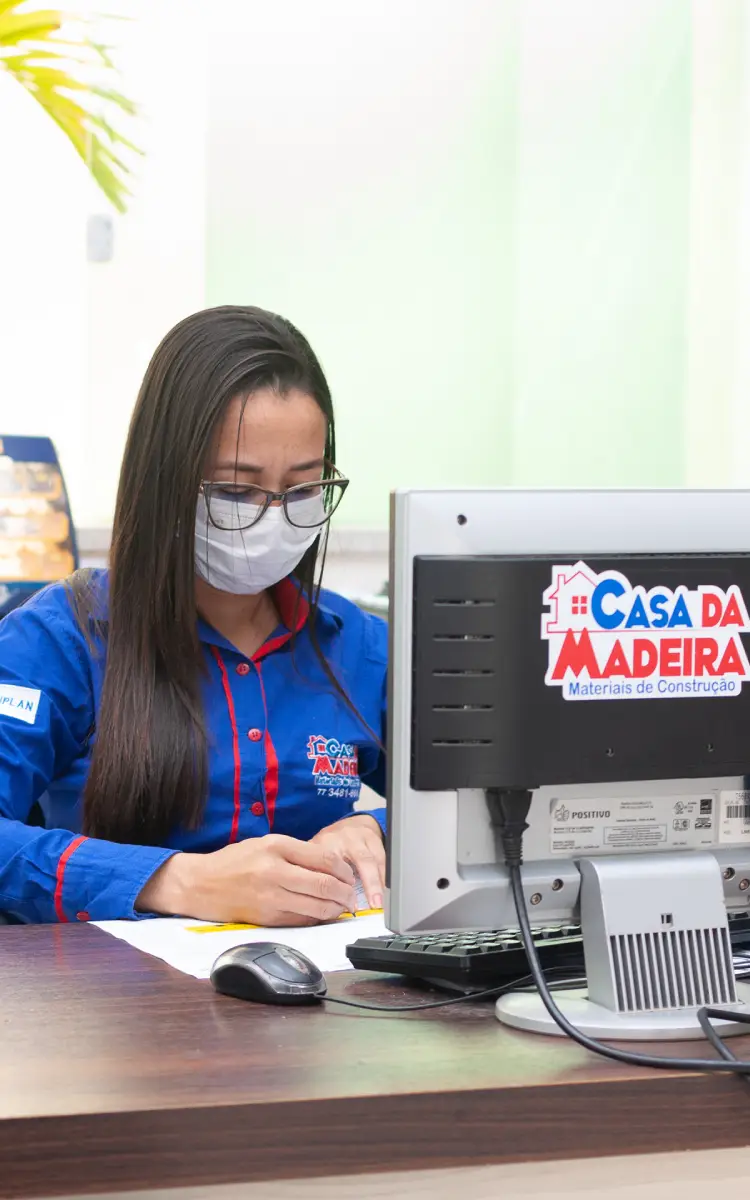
(738,812)
(734,825)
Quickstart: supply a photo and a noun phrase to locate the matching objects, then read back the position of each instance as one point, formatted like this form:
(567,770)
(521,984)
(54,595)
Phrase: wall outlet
(100,238)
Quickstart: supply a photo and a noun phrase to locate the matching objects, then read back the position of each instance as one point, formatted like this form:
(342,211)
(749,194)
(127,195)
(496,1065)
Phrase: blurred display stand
(37,537)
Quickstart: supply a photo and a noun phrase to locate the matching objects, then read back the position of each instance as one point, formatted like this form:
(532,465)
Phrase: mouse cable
(517,985)
(508,811)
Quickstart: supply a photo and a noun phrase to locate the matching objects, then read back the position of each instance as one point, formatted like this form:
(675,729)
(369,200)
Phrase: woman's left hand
(359,840)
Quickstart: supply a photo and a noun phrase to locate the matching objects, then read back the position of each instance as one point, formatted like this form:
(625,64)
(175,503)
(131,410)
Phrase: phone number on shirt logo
(335,767)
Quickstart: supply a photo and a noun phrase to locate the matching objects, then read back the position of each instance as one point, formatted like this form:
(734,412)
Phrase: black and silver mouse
(269,974)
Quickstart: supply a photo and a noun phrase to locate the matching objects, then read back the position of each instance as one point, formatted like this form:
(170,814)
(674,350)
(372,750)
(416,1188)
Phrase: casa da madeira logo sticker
(335,767)
(609,640)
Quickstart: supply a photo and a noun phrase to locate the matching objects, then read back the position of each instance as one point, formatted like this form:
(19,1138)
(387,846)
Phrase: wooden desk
(118,1073)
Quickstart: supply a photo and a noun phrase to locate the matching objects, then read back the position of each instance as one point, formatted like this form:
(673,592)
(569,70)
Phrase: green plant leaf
(24,27)
(115,98)
(117,138)
(9,5)
(65,77)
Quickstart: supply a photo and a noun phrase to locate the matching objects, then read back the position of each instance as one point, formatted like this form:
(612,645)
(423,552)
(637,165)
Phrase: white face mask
(247,561)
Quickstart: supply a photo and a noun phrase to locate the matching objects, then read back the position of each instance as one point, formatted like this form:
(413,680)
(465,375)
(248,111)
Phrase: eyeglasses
(239,506)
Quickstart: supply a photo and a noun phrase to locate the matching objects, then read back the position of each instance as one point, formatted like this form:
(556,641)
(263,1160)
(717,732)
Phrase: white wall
(43,354)
(157,274)
(362,182)
(75,337)
(739,416)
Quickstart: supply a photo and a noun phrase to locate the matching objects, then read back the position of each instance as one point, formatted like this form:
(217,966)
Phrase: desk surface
(116,1071)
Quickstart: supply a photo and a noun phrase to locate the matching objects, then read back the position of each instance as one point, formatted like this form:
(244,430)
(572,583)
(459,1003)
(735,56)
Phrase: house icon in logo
(569,600)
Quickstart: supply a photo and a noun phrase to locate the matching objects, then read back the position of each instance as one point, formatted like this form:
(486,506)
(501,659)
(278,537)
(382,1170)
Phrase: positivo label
(634,823)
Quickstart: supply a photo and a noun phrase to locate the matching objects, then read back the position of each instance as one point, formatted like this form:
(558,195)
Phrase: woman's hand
(358,840)
(270,880)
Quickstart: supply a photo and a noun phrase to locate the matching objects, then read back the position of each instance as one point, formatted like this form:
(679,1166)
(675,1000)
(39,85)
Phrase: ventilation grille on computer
(463,635)
(672,969)
(457,658)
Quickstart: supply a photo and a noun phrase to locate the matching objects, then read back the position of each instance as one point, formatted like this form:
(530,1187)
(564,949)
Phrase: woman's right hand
(267,881)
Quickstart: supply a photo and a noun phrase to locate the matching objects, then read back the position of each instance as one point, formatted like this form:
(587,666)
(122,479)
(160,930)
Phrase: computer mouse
(268,974)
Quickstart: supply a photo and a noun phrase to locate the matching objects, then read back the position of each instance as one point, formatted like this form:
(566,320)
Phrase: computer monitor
(589,648)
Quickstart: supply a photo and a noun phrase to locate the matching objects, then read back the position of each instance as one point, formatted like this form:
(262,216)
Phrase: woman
(196,721)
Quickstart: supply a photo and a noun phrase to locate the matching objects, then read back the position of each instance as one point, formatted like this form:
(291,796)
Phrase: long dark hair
(148,771)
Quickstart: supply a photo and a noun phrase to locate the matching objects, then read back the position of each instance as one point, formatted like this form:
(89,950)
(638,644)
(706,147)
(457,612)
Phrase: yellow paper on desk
(367,912)
(177,942)
(362,911)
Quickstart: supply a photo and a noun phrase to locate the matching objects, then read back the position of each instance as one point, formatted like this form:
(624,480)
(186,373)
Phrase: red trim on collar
(291,603)
(293,610)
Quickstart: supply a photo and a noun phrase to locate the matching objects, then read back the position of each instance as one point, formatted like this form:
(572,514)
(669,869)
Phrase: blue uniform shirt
(286,754)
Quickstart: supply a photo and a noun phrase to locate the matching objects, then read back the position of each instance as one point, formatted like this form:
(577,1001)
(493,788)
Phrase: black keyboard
(468,961)
(473,961)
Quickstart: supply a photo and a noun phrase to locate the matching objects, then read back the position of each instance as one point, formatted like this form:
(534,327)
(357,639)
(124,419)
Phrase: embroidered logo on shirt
(19,702)
(335,767)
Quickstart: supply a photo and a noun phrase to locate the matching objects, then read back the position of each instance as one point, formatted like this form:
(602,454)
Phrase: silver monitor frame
(439,878)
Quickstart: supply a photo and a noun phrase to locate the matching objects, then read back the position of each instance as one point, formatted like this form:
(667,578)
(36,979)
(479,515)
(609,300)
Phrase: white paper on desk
(172,939)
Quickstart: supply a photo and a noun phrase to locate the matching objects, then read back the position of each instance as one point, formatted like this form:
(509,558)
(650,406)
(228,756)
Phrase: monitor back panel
(535,670)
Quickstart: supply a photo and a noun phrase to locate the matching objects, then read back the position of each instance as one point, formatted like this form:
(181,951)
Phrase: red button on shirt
(257,809)
(82,916)
(254,734)
(243,669)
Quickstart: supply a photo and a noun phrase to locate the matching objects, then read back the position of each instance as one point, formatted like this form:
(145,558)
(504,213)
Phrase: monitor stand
(657,949)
